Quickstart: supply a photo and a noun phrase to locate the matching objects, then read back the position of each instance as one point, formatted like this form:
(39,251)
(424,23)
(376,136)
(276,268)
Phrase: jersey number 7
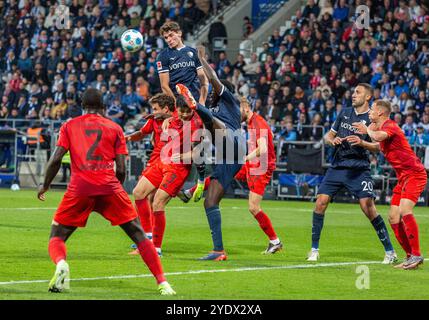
(90,154)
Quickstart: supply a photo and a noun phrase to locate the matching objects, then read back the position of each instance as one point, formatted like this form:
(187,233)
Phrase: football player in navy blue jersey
(223,120)
(351,169)
(180,64)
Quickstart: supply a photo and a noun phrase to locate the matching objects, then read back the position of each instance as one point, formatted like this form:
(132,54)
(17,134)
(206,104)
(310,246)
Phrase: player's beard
(358,104)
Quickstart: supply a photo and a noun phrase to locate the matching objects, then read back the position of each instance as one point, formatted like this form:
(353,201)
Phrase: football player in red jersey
(162,105)
(166,177)
(96,144)
(411,174)
(260,162)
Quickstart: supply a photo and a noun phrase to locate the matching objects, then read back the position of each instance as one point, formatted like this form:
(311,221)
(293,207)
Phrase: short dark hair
(92,99)
(163,100)
(181,103)
(367,87)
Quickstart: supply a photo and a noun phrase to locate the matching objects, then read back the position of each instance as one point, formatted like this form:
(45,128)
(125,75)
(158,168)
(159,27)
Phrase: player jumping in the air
(223,120)
(96,144)
(350,169)
(257,172)
(411,174)
(180,64)
(162,104)
(167,178)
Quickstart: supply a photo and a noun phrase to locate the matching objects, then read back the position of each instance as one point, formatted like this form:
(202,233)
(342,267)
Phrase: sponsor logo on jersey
(159,65)
(185,64)
(349,127)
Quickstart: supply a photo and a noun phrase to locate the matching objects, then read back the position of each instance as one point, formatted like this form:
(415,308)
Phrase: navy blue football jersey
(228,110)
(182,65)
(347,156)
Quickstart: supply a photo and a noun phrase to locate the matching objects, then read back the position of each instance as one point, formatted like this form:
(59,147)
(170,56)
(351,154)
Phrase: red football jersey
(93,142)
(186,132)
(257,128)
(398,152)
(155,127)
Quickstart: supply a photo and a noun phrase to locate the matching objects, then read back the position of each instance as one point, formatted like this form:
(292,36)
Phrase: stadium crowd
(299,82)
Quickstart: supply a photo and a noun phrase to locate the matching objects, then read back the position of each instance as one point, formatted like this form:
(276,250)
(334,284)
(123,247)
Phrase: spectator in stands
(312,8)
(419,137)
(247,27)
(341,11)
(409,126)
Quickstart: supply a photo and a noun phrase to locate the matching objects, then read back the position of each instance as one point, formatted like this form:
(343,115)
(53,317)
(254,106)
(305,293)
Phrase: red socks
(57,249)
(158,228)
(145,211)
(398,229)
(206,185)
(150,257)
(412,232)
(265,224)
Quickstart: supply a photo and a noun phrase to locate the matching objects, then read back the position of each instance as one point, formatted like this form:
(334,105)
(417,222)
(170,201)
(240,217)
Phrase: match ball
(131,40)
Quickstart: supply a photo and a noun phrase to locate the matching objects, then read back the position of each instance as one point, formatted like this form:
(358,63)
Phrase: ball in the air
(131,40)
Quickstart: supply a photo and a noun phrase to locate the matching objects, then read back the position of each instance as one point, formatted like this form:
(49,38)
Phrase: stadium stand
(299,79)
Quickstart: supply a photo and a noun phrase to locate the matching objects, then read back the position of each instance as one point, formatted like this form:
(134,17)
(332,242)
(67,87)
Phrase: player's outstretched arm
(210,73)
(204,89)
(164,79)
(120,167)
(357,141)
(261,149)
(332,139)
(52,169)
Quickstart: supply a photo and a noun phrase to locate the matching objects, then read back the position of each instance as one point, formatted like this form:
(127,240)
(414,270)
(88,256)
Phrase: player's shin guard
(145,212)
(215,223)
(57,249)
(316,229)
(412,232)
(382,233)
(158,228)
(265,224)
(401,236)
(150,257)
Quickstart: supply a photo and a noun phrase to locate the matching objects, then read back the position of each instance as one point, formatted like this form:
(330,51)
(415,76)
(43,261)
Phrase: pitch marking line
(228,208)
(133,276)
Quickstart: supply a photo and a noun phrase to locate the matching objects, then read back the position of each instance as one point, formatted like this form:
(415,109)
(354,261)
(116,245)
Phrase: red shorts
(409,187)
(256,183)
(169,178)
(74,210)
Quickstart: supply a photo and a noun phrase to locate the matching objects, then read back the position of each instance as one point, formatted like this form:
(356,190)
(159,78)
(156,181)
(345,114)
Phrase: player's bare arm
(135,136)
(357,141)
(375,135)
(261,149)
(210,73)
(164,78)
(332,139)
(120,167)
(204,90)
(52,169)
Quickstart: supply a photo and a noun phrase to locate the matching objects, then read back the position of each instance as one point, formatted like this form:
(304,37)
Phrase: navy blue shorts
(356,181)
(226,168)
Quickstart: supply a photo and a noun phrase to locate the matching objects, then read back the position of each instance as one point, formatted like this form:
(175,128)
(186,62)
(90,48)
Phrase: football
(131,40)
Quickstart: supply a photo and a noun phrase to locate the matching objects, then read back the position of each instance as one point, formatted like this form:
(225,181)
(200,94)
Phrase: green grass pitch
(99,251)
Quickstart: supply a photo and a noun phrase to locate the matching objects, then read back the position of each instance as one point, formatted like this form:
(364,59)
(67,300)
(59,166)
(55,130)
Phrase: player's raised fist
(201,52)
